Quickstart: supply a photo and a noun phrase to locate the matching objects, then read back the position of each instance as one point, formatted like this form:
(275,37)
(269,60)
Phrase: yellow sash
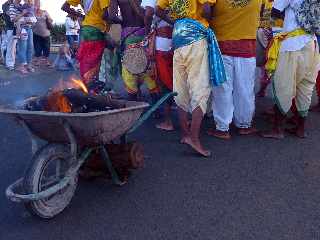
(274,47)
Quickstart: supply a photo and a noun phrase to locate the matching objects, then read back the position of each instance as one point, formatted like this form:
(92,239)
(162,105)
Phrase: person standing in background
(3,39)
(41,37)
(25,42)
(72,29)
(10,58)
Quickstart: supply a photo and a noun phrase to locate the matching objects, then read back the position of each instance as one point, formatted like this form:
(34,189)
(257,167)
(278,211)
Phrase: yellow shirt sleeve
(74,3)
(104,3)
(163,4)
(207,1)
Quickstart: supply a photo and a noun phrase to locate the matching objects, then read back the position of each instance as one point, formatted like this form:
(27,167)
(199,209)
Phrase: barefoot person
(197,63)
(235,22)
(133,33)
(94,28)
(163,57)
(295,68)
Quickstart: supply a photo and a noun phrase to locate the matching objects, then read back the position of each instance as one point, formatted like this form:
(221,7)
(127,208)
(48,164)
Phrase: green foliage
(58,33)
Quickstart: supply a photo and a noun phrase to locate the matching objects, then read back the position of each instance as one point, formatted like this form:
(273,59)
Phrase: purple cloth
(133,31)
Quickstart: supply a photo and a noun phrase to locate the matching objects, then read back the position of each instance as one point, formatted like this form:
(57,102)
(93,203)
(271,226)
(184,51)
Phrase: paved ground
(250,189)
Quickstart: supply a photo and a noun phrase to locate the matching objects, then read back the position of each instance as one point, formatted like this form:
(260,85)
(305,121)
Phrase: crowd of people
(207,51)
(26,38)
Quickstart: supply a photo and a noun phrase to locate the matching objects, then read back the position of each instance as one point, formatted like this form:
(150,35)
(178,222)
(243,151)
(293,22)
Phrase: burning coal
(76,98)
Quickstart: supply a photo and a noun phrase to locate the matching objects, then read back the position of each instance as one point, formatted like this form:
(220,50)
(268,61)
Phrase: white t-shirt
(72,27)
(162,44)
(291,24)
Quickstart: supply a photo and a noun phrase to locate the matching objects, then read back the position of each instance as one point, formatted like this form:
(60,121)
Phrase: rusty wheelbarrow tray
(51,180)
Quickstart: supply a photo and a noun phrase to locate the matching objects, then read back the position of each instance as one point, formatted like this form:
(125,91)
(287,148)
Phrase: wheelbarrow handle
(147,114)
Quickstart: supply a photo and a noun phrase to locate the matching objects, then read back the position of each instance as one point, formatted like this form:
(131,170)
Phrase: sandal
(22,70)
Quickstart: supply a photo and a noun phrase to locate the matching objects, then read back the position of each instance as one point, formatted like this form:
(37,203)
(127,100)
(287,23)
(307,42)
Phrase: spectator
(10,40)
(25,43)
(72,29)
(3,41)
(41,35)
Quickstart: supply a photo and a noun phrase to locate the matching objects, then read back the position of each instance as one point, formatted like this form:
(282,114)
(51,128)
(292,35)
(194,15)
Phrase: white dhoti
(191,76)
(235,99)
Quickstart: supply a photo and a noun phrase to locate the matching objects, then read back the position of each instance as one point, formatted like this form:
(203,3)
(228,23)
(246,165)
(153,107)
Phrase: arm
(148,18)
(113,13)
(48,17)
(137,8)
(66,7)
(207,11)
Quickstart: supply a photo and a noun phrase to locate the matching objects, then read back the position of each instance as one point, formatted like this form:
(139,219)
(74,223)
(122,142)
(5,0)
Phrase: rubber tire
(32,181)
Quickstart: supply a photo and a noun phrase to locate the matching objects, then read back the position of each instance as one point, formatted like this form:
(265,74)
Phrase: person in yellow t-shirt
(190,63)
(235,23)
(93,36)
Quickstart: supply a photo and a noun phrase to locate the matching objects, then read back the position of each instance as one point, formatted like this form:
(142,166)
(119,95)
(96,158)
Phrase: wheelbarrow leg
(34,143)
(114,175)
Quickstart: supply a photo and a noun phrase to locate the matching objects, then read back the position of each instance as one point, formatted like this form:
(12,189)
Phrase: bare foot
(196,146)
(166,126)
(219,134)
(300,133)
(184,140)
(272,134)
(247,131)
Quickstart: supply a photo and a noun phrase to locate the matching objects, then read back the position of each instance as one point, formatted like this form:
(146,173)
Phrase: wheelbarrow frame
(78,159)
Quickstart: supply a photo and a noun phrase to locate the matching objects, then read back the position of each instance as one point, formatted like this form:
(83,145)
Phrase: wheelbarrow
(52,178)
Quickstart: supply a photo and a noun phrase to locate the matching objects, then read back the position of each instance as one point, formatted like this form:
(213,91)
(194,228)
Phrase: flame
(58,103)
(80,85)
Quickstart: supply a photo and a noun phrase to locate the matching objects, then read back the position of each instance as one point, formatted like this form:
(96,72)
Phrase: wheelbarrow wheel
(49,166)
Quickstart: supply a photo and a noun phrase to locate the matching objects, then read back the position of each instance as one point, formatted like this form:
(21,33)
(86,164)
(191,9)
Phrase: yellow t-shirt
(94,17)
(186,9)
(236,19)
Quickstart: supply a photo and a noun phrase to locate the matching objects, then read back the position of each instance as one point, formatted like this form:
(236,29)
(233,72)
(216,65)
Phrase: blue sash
(187,31)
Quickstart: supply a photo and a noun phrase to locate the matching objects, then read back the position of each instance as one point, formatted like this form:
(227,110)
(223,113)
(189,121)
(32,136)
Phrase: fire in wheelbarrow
(77,125)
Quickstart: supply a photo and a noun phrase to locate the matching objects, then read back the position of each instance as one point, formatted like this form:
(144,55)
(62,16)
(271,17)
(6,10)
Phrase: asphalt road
(251,188)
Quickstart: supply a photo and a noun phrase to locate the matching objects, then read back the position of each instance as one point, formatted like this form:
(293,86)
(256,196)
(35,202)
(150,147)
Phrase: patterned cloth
(188,31)
(131,36)
(186,9)
(90,52)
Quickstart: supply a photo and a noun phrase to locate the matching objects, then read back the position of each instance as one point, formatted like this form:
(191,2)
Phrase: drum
(135,59)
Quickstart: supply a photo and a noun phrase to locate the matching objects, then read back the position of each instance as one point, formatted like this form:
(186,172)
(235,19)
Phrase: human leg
(131,85)
(243,94)
(29,50)
(11,50)
(183,98)
(306,79)
(222,102)
(198,82)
